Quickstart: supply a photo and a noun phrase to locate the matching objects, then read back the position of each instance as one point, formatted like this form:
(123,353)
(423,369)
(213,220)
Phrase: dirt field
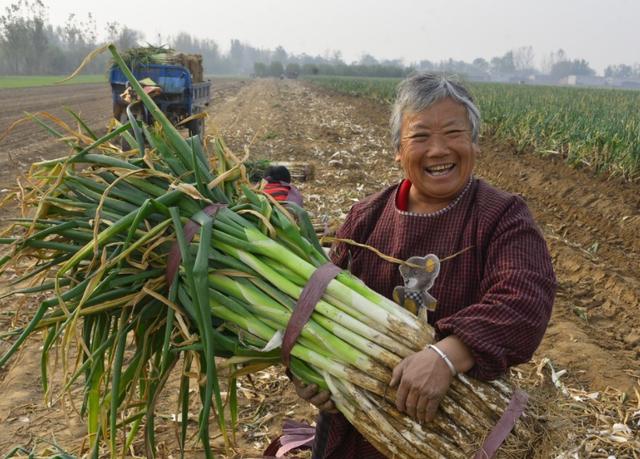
(591,226)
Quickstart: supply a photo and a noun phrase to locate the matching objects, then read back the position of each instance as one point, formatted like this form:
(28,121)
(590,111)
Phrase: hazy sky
(603,32)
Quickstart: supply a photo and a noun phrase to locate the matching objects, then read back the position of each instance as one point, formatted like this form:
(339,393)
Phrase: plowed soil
(591,226)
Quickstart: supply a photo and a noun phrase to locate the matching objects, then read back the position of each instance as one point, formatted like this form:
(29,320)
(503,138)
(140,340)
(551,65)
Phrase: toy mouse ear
(432,264)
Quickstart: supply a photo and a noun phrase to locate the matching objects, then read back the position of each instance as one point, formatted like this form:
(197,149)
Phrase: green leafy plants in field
(46,80)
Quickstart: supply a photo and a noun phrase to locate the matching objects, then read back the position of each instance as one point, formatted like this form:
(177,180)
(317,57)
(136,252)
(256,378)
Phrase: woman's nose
(437,145)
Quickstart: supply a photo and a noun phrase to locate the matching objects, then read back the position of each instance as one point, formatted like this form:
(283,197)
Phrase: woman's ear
(398,157)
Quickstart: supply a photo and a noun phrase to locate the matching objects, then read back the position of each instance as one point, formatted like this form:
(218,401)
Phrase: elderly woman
(494,297)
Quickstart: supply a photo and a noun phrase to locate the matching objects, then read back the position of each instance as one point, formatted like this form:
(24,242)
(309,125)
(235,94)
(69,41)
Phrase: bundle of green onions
(99,240)
(147,55)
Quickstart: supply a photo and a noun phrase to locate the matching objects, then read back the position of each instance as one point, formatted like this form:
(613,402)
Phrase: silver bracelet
(445,358)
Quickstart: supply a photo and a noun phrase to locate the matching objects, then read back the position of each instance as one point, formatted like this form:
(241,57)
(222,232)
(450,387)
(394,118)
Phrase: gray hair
(421,90)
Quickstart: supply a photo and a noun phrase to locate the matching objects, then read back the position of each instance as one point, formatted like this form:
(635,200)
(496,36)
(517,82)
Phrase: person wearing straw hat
(496,284)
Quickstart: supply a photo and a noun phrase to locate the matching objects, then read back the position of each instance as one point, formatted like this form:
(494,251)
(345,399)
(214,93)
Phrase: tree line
(294,69)
(31,45)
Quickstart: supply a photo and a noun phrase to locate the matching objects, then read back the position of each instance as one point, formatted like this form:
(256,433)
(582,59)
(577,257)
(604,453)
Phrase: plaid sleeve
(517,290)
(358,225)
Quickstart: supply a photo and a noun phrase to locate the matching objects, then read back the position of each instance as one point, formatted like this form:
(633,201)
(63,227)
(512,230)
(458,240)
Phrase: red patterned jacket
(496,296)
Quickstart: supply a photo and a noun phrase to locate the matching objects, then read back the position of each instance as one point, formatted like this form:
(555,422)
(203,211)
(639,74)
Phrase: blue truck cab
(179,99)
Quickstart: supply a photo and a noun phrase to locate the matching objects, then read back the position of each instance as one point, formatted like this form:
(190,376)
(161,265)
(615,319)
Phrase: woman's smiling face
(437,154)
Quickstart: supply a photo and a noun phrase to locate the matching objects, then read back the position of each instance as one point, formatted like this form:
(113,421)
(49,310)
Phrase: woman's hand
(424,378)
(309,392)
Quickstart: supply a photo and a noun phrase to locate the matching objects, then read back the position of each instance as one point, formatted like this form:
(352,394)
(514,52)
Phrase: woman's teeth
(440,169)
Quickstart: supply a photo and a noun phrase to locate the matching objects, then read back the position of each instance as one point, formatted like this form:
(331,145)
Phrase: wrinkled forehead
(442,113)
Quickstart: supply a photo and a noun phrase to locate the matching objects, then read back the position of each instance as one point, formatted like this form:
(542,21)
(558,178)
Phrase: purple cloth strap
(311,294)
(295,436)
(190,230)
(503,427)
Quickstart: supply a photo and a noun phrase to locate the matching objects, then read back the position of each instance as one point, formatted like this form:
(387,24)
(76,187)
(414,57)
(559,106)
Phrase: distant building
(582,80)
(524,77)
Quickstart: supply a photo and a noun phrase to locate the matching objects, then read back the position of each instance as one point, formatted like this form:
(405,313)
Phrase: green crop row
(28,81)
(599,128)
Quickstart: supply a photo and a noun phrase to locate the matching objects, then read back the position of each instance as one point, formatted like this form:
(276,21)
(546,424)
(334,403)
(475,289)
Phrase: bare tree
(78,37)
(280,55)
(552,59)
(23,38)
(523,58)
(122,36)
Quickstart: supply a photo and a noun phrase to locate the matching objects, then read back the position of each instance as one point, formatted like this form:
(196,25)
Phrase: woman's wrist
(444,358)
(458,353)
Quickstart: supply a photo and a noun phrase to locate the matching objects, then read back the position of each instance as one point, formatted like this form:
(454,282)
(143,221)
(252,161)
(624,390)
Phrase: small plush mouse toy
(413,295)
